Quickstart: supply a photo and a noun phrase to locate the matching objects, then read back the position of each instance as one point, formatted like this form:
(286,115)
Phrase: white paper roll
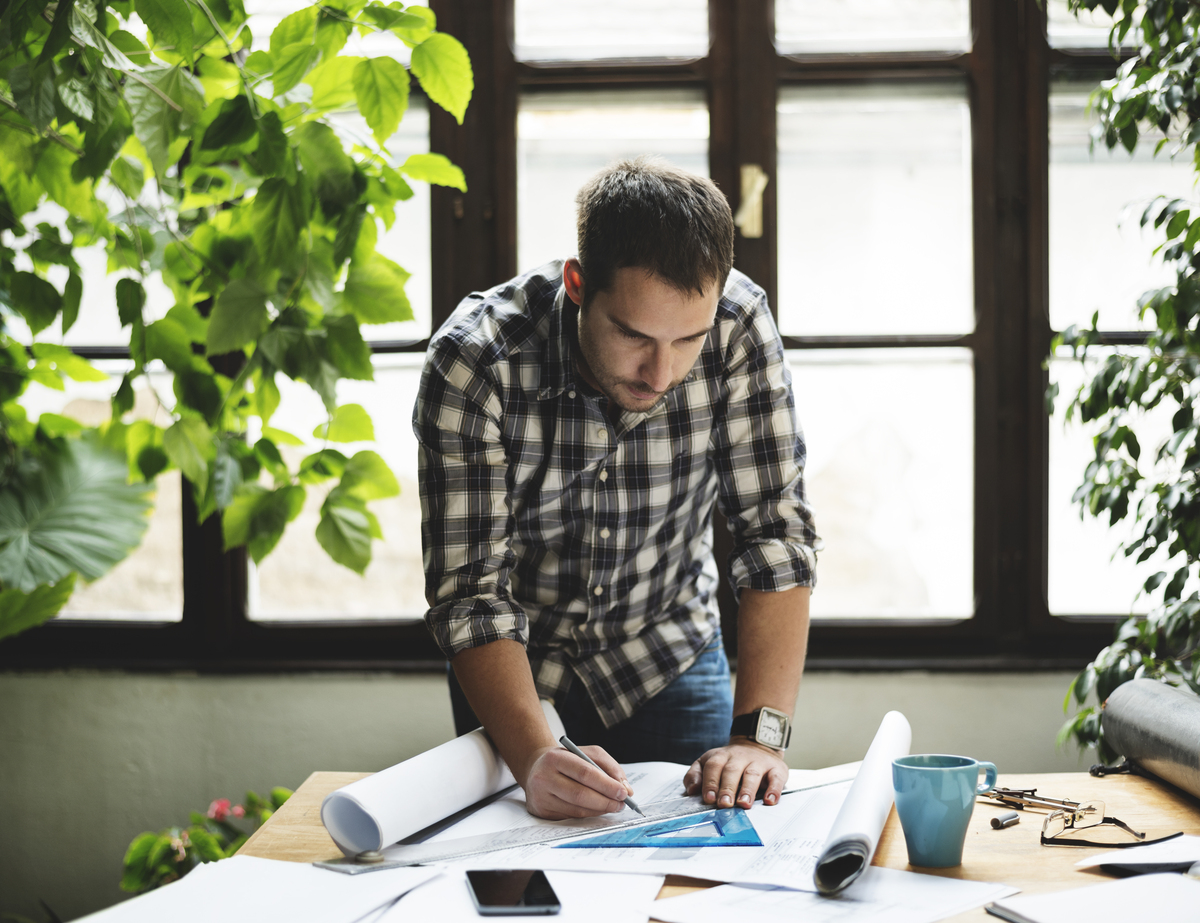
(388,806)
(855,832)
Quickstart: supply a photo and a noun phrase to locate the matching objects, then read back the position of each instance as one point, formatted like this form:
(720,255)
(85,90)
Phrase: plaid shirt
(589,541)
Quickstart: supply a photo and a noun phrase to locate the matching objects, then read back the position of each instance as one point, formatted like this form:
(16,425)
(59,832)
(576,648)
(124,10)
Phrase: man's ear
(573,280)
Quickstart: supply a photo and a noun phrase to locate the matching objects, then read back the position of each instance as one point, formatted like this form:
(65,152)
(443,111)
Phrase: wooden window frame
(474,246)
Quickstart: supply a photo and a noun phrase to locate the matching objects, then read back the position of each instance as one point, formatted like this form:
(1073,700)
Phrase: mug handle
(989,781)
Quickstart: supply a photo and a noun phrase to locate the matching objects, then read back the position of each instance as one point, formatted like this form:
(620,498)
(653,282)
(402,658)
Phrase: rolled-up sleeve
(760,457)
(466,522)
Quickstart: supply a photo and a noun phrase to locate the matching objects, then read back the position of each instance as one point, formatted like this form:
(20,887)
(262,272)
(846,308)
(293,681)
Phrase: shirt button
(599,591)
(604,533)
(570,394)
(604,475)
(602,433)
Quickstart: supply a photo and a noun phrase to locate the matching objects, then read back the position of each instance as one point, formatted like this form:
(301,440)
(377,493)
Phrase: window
(930,194)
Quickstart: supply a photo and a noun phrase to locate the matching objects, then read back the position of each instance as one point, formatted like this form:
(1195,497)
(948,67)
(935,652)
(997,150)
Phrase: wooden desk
(1012,855)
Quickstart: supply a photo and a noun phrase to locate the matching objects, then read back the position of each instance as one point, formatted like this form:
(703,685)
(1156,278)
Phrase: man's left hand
(736,773)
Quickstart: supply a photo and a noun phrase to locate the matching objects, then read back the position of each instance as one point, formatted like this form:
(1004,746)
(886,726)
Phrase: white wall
(88,760)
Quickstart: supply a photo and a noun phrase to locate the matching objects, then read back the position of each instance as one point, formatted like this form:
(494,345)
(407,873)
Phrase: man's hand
(558,784)
(736,773)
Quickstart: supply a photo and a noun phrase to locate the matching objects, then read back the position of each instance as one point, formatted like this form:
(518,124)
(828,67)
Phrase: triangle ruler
(723,827)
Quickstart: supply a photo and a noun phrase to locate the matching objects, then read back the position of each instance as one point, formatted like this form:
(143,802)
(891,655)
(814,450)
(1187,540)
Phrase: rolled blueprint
(388,806)
(855,832)
(1157,727)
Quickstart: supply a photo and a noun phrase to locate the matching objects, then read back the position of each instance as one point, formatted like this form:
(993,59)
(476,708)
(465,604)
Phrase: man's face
(639,338)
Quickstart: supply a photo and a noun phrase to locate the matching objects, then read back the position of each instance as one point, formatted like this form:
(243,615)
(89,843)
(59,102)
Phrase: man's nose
(656,371)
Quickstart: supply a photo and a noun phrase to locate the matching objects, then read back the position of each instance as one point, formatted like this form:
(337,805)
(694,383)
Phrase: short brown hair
(652,215)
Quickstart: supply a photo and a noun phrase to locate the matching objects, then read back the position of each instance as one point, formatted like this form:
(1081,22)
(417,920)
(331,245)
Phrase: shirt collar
(558,363)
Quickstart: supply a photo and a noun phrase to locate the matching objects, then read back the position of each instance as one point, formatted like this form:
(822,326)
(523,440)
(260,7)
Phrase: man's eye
(631,336)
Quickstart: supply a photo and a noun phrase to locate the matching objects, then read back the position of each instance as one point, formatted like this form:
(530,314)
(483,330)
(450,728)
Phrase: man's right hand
(558,784)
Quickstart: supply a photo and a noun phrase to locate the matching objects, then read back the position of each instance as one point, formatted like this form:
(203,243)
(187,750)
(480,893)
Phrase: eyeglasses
(1088,814)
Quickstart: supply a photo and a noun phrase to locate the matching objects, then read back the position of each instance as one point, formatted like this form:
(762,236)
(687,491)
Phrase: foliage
(1154,98)
(156,859)
(254,186)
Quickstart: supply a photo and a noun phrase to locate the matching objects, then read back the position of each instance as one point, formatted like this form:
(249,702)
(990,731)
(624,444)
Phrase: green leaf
(266,397)
(226,476)
(171,23)
(197,389)
(332,83)
(66,362)
(279,214)
(189,444)
(292,64)
(131,298)
(234,124)
(350,423)
(444,69)
(55,425)
(122,401)
(346,529)
(368,477)
(34,299)
(269,516)
(330,167)
(300,26)
(72,296)
(72,512)
(167,340)
(21,611)
(128,176)
(34,93)
(348,350)
(190,320)
(280,436)
(270,157)
(435,168)
(158,124)
(374,291)
(381,88)
(239,317)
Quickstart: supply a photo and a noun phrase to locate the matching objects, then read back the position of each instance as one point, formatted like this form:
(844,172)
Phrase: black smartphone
(512,892)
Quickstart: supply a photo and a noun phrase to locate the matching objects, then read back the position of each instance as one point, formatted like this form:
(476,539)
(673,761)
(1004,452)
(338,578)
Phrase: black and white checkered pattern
(591,541)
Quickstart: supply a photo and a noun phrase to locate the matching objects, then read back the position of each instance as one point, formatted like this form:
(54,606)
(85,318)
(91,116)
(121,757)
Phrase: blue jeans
(687,718)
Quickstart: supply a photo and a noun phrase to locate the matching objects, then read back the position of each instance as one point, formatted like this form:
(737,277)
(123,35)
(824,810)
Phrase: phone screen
(512,892)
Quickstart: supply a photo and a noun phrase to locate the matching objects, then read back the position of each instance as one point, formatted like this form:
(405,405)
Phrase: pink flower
(238,811)
(219,809)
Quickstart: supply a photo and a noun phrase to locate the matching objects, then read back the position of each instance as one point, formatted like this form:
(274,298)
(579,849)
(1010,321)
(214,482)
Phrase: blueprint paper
(253,890)
(855,832)
(390,805)
(585,898)
(878,896)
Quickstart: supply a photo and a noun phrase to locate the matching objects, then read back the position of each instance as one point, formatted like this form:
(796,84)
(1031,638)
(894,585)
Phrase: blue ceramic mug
(935,795)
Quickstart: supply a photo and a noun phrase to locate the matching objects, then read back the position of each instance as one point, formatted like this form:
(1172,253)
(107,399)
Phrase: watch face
(770,730)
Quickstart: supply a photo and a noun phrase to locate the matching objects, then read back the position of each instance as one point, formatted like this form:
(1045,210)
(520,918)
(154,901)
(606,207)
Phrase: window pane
(816,26)
(147,585)
(1087,30)
(564,138)
(1087,575)
(298,580)
(1100,258)
(875,209)
(890,437)
(575,30)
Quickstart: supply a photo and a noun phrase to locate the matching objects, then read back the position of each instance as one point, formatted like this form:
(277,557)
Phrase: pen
(566,742)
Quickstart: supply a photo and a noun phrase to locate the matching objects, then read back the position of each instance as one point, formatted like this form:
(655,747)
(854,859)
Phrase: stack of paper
(254,890)
(1163,898)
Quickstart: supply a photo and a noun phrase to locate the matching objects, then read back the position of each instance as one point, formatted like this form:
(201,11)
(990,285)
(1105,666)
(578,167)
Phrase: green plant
(1154,93)
(156,859)
(249,184)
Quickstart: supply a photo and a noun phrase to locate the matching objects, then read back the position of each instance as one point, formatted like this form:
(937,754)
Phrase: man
(576,427)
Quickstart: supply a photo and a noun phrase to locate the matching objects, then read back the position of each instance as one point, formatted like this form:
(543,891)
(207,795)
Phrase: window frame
(474,246)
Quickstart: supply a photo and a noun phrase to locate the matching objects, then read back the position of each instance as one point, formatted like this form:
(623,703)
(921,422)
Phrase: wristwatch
(765,726)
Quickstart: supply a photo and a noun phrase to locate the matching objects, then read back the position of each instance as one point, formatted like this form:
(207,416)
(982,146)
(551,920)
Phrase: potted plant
(150,127)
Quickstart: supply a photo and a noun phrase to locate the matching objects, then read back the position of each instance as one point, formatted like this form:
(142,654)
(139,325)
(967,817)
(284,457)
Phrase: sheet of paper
(585,897)
(856,830)
(253,890)
(1163,898)
(878,896)
(1182,849)
(793,832)
(390,805)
